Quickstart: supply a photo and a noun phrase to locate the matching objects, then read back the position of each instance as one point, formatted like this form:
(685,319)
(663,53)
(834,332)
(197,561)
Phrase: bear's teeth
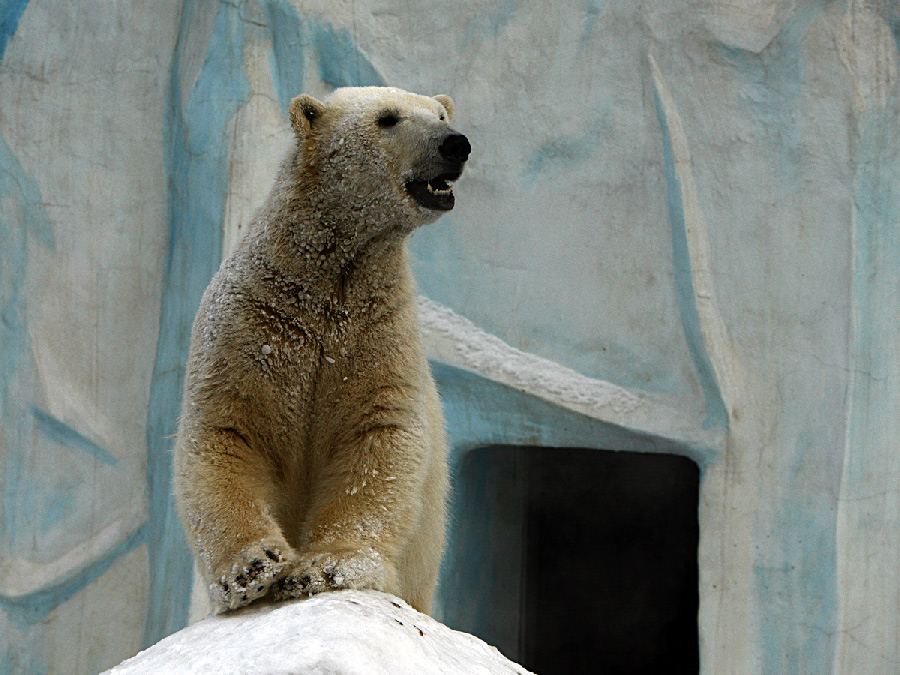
(436,191)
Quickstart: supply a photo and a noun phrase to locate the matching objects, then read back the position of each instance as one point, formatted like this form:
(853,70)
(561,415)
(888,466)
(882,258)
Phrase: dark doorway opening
(577,560)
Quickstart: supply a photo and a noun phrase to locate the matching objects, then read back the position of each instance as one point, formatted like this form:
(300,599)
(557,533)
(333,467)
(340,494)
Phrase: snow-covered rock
(339,633)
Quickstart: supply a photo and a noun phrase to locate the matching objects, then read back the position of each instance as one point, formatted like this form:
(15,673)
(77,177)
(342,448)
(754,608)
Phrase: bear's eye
(388,119)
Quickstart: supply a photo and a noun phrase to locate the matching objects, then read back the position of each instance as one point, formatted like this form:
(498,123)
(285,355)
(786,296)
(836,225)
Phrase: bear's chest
(296,351)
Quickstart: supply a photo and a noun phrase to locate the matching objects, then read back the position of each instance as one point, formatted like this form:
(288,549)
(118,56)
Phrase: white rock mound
(337,633)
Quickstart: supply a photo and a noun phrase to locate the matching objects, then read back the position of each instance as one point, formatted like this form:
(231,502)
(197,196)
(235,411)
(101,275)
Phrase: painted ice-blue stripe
(290,46)
(795,579)
(296,39)
(34,607)
(684,284)
(341,63)
(24,223)
(894,24)
(62,433)
(198,172)
(22,220)
(10,13)
(591,16)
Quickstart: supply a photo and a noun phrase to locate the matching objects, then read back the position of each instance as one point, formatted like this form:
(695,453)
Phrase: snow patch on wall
(453,339)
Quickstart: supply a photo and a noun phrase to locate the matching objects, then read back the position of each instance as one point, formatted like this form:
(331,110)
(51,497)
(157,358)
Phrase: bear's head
(380,155)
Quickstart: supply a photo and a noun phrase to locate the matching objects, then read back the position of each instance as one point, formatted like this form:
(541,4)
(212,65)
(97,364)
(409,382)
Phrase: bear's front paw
(249,577)
(334,570)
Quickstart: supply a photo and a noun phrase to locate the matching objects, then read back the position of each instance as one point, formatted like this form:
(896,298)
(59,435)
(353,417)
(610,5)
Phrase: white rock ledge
(338,633)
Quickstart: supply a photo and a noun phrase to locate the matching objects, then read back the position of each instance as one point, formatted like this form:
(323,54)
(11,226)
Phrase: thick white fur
(311,451)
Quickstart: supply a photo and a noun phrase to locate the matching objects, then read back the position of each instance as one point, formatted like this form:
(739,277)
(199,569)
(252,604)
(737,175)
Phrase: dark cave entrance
(575,560)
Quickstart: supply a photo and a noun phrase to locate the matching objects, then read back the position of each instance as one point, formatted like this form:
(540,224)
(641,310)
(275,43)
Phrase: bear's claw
(333,571)
(250,577)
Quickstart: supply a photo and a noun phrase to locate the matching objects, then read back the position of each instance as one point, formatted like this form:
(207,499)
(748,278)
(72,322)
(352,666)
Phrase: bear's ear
(304,111)
(447,102)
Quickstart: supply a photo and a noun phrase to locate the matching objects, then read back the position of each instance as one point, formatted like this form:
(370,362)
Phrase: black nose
(455,147)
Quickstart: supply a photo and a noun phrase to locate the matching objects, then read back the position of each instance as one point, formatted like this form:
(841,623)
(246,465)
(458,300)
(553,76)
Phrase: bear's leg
(420,563)
(361,514)
(224,492)
(421,560)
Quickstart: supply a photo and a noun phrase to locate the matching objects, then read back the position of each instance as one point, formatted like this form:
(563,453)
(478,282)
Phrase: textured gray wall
(678,232)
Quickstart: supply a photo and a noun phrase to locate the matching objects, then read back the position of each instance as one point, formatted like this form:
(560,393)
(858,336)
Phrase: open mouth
(434,193)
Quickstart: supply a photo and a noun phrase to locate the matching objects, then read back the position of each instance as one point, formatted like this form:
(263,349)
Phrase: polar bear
(310,453)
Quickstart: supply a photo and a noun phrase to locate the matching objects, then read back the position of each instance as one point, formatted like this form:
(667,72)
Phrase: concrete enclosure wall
(678,232)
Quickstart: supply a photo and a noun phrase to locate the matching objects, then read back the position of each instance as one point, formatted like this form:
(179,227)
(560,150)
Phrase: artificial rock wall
(678,232)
